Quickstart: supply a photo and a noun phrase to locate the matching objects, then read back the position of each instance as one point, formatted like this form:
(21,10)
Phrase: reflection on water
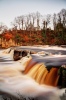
(34,75)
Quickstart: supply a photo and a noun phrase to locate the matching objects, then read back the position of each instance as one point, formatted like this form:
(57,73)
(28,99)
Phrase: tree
(33,18)
(17,38)
(14,24)
(63,16)
(17,23)
(60,29)
(54,21)
(48,20)
(1,39)
(59,18)
(26,38)
(38,15)
(3,27)
(27,21)
(64,21)
(22,19)
(7,36)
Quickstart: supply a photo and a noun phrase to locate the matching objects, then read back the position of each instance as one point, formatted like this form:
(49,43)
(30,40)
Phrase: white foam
(14,82)
(7,55)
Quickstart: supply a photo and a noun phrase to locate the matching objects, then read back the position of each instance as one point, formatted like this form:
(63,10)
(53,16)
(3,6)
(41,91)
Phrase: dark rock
(24,53)
(18,54)
(33,52)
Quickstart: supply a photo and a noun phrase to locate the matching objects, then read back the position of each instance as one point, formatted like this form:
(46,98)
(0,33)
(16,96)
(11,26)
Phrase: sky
(9,9)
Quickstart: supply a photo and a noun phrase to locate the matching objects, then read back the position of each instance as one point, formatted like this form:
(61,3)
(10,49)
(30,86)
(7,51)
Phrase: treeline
(35,29)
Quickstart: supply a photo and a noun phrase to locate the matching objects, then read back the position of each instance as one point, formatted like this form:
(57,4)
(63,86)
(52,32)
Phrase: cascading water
(30,76)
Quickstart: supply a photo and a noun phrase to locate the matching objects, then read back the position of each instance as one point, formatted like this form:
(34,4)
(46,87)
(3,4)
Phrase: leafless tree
(17,22)
(54,21)
(63,16)
(14,25)
(43,23)
(38,15)
(33,18)
(59,18)
(48,20)
(3,27)
(26,21)
(22,21)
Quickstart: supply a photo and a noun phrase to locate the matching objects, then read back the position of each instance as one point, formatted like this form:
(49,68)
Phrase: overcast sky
(9,9)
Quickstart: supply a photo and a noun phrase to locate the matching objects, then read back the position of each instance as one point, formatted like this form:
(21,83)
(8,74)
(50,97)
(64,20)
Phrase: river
(13,81)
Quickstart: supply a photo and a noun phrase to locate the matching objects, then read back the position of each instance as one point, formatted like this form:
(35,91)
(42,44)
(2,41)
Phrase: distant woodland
(35,29)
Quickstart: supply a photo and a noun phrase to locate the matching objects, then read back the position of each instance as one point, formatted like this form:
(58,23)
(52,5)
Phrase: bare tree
(59,18)
(26,21)
(3,27)
(29,15)
(48,20)
(54,21)
(33,18)
(22,19)
(14,25)
(44,24)
(38,15)
(63,14)
(64,21)
(17,22)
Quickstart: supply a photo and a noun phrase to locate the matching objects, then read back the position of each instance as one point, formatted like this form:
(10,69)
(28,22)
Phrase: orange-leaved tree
(8,36)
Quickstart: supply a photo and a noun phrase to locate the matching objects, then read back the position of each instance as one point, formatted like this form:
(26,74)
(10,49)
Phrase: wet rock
(24,53)
(33,52)
(18,54)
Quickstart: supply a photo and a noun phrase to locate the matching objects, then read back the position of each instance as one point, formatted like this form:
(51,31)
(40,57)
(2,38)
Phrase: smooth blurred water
(58,59)
(12,79)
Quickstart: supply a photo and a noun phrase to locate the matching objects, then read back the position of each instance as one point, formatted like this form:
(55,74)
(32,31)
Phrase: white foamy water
(15,83)
(7,54)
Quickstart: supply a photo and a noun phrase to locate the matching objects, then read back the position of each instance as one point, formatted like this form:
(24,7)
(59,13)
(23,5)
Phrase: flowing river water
(29,76)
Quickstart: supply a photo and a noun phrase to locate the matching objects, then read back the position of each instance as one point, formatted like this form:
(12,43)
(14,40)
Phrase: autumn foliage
(36,35)
(7,36)
(39,37)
